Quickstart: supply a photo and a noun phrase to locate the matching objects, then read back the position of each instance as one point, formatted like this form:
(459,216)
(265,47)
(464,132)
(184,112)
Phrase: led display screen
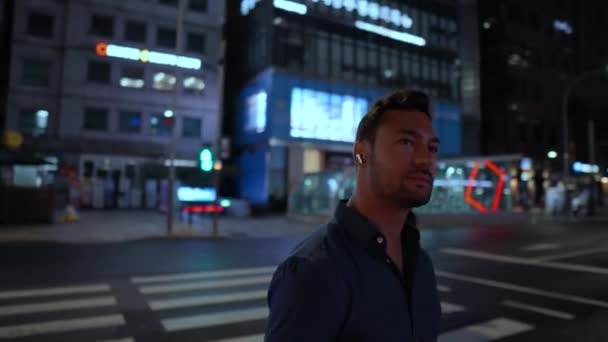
(324,116)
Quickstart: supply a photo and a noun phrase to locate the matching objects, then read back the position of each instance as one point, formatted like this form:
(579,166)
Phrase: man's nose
(425,159)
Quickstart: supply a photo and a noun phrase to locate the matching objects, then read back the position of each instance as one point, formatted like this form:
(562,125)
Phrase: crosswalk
(167,294)
(46,304)
(224,297)
(218,306)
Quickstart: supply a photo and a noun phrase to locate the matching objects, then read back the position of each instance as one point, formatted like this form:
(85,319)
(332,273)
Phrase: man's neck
(387,217)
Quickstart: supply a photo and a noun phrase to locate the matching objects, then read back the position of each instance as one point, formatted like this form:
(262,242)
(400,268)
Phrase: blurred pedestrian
(363,276)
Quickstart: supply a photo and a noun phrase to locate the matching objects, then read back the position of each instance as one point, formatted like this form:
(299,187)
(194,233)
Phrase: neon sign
(468,194)
(364,8)
(146,56)
(396,35)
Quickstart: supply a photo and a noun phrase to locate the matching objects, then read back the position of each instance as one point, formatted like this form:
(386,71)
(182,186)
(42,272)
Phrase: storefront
(463,185)
(290,126)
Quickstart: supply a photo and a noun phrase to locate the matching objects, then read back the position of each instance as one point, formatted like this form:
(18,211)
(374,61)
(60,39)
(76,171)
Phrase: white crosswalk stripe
(214,284)
(203,275)
(206,300)
(32,329)
(56,306)
(201,300)
(49,309)
(448,308)
(248,338)
(209,320)
(54,291)
(487,331)
(199,290)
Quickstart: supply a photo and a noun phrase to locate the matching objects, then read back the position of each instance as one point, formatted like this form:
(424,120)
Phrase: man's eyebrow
(414,133)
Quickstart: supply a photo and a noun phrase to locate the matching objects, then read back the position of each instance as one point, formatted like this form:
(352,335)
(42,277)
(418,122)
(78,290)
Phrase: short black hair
(404,99)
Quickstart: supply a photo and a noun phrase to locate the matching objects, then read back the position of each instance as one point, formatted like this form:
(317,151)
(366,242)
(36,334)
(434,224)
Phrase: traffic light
(206,159)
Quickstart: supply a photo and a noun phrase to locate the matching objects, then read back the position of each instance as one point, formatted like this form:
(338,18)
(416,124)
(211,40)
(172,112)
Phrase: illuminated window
(135,31)
(33,121)
(98,71)
(255,117)
(129,122)
(160,125)
(194,85)
(132,77)
(35,72)
(95,119)
(102,25)
(195,43)
(40,25)
(191,128)
(164,81)
(165,38)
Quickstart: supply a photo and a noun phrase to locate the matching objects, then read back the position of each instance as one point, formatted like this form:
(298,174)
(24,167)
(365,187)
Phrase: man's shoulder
(316,247)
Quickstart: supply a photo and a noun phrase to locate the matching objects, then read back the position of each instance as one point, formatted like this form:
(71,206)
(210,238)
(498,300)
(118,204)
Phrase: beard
(397,190)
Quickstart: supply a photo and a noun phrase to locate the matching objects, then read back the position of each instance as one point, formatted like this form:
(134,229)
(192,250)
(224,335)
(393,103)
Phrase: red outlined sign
(468,193)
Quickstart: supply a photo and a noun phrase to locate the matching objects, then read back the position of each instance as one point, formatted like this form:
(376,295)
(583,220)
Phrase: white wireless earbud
(359,157)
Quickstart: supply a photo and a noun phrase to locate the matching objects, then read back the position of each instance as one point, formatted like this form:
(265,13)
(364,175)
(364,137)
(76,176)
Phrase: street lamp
(552,154)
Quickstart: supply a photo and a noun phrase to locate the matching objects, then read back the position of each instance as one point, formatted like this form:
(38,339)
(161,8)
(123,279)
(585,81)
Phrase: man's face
(403,158)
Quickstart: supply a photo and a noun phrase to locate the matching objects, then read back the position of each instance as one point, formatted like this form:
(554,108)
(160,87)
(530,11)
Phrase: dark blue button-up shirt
(340,285)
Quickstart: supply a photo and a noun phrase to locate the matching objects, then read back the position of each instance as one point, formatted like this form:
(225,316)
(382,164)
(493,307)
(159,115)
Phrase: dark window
(534,21)
(165,38)
(33,121)
(102,25)
(40,25)
(135,32)
(95,119)
(129,122)
(195,43)
(515,13)
(198,5)
(160,125)
(523,131)
(99,71)
(35,73)
(169,2)
(191,128)
(538,133)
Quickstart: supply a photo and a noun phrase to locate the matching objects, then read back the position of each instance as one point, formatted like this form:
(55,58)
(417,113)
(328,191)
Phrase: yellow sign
(12,139)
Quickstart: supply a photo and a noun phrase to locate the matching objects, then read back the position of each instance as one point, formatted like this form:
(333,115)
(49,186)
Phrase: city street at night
(160,159)
(537,282)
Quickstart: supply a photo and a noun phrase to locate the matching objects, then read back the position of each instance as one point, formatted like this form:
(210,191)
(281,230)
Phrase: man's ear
(360,152)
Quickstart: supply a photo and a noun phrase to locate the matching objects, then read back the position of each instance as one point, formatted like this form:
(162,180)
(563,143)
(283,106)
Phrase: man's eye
(408,142)
(434,149)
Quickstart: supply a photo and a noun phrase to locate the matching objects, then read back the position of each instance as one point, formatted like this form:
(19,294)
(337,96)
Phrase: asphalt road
(527,283)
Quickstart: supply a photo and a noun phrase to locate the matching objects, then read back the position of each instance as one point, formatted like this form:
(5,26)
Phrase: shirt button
(380,239)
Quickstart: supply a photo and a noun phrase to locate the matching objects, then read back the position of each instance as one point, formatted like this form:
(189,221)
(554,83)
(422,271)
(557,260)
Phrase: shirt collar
(365,233)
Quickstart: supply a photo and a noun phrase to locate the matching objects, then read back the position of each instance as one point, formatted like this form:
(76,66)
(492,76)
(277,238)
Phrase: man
(363,276)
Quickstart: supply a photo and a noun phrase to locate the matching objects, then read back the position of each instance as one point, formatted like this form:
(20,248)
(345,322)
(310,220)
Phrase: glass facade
(307,71)
(473,186)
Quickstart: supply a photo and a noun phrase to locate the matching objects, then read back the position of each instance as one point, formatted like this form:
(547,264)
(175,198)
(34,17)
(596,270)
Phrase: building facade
(304,72)
(102,85)
(531,53)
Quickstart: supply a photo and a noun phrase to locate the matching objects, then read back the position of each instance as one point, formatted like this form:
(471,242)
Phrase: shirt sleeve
(306,303)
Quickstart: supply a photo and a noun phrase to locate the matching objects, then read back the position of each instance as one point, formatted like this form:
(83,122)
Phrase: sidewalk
(115,226)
